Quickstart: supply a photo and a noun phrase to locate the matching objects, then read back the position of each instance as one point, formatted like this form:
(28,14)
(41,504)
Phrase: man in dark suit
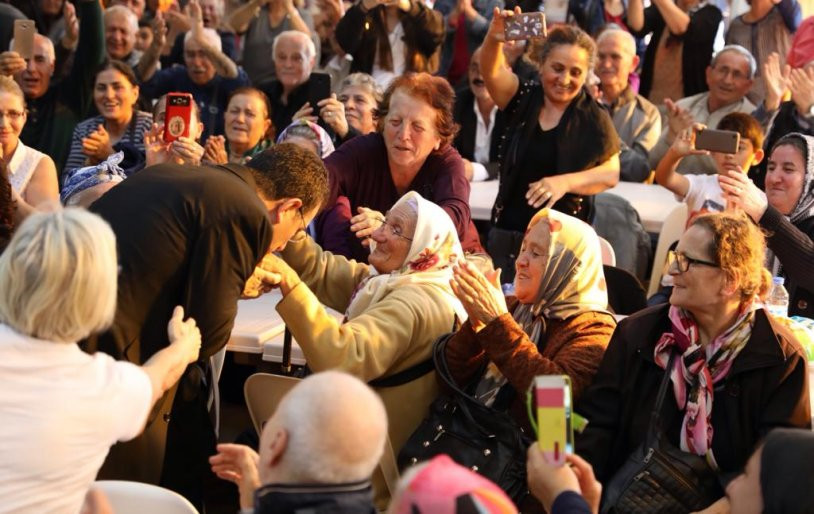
(482,126)
(192,236)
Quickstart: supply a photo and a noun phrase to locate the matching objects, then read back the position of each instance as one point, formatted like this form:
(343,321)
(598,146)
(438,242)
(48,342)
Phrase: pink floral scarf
(698,369)
(435,247)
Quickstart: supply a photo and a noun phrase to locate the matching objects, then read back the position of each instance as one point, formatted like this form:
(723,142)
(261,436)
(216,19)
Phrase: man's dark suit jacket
(464,115)
(190,237)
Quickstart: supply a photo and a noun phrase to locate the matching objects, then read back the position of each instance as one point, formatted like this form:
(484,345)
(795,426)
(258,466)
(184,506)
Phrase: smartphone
(556,10)
(722,141)
(24,38)
(319,88)
(527,25)
(177,116)
(555,433)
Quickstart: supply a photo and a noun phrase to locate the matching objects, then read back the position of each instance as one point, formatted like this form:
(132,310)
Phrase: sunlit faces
(36,78)
(729,80)
(119,36)
(563,73)
(114,95)
(12,119)
(409,131)
(744,492)
(614,61)
(359,105)
(785,178)
(701,286)
(199,65)
(291,63)
(246,120)
(393,239)
(745,157)
(531,263)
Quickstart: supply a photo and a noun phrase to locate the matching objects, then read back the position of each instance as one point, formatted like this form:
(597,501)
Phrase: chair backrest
(625,292)
(137,498)
(263,392)
(671,231)
(608,255)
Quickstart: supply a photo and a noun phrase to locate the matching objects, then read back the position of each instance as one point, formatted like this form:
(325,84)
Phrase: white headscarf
(435,247)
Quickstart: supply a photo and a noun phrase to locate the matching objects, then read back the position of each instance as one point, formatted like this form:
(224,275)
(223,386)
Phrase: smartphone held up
(177,116)
(527,25)
(24,31)
(555,433)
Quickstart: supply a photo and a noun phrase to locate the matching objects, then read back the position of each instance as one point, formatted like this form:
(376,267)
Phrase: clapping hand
(678,119)
(71,37)
(776,79)
(215,150)
(801,84)
(97,145)
(480,295)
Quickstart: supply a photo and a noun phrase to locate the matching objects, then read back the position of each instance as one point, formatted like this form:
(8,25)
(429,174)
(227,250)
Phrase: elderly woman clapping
(394,309)
(555,324)
(736,372)
(61,408)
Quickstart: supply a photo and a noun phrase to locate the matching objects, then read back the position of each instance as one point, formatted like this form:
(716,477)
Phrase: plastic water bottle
(778,301)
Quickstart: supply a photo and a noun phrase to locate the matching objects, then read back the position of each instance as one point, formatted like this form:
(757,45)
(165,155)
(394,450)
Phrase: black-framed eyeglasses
(394,229)
(683,262)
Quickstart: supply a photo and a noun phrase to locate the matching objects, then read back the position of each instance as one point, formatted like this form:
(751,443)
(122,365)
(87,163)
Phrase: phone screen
(319,88)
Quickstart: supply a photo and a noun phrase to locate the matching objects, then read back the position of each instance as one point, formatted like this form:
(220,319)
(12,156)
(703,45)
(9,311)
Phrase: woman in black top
(560,148)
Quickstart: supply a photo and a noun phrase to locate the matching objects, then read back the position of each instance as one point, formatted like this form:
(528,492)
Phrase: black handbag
(658,477)
(478,437)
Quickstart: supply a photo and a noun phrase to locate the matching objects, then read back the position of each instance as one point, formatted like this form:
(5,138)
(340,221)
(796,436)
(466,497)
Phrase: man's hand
(776,79)
(185,334)
(97,145)
(238,463)
(678,119)
(801,83)
(71,37)
(11,64)
(276,272)
(159,28)
(684,143)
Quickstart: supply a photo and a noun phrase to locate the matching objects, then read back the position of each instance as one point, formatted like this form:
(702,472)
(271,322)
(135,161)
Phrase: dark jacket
(464,114)
(794,248)
(696,54)
(766,387)
(350,498)
(358,31)
(188,237)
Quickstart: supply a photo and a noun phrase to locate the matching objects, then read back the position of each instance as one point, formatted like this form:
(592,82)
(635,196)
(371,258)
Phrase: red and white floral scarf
(699,368)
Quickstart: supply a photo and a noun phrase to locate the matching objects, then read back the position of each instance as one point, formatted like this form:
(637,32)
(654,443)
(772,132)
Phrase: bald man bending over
(317,452)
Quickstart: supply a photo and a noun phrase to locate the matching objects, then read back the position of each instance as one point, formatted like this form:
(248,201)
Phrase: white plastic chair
(138,498)
(671,231)
(608,255)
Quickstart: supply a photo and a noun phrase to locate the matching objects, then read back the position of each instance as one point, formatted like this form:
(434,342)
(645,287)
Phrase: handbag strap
(654,428)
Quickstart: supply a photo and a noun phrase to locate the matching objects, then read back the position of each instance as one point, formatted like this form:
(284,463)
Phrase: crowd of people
(328,153)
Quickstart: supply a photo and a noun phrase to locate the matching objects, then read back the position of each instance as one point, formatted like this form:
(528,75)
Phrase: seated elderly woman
(308,135)
(61,408)
(32,173)
(786,212)
(737,372)
(248,128)
(556,323)
(411,151)
(394,309)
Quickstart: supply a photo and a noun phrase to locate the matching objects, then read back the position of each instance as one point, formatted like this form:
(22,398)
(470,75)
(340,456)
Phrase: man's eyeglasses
(394,229)
(723,71)
(683,262)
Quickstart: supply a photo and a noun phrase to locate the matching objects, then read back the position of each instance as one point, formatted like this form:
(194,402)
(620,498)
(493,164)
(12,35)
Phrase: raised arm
(683,145)
(677,20)
(224,66)
(241,17)
(148,64)
(635,15)
(90,52)
(500,80)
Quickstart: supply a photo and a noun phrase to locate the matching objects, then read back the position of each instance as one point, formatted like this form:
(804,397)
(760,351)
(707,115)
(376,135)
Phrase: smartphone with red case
(177,116)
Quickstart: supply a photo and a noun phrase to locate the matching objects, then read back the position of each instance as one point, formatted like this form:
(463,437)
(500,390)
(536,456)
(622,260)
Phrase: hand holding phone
(722,141)
(177,116)
(319,88)
(527,25)
(24,38)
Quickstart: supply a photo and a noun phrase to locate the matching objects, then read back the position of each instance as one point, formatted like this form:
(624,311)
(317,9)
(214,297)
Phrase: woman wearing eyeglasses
(394,308)
(737,372)
(32,174)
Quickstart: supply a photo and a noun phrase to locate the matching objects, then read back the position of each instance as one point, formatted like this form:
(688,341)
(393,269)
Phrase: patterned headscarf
(698,369)
(435,247)
(311,131)
(573,281)
(90,176)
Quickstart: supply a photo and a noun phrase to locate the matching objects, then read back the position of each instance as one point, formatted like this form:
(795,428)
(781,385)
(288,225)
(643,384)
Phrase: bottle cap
(779,280)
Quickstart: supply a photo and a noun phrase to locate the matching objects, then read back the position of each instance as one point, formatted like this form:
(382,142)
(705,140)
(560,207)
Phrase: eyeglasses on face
(12,115)
(682,262)
(393,229)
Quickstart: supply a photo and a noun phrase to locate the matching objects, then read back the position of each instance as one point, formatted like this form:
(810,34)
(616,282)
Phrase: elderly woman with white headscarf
(394,308)
(555,324)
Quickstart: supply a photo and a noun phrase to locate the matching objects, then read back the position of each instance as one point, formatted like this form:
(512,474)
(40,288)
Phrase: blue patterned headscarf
(90,176)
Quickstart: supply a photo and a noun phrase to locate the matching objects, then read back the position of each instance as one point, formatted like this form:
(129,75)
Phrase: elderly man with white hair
(729,77)
(317,452)
(294,56)
(637,121)
(54,109)
(121,26)
(208,74)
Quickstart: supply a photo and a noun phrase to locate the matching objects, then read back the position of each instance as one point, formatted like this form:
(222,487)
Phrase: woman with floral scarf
(737,373)
(395,308)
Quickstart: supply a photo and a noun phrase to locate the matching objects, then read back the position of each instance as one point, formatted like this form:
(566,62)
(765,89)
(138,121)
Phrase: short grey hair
(305,39)
(121,10)
(336,426)
(628,41)
(739,50)
(58,276)
(210,35)
(365,81)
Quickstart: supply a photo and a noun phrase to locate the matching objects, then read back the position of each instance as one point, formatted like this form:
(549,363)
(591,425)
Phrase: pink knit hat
(444,487)
(802,45)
